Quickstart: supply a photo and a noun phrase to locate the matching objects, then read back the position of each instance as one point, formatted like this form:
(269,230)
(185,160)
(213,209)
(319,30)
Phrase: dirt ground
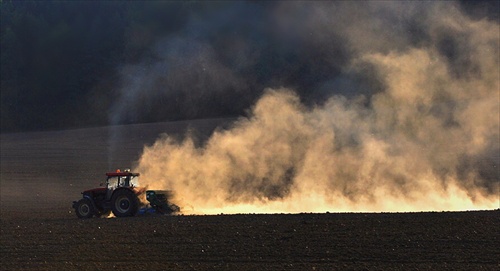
(404,241)
(42,173)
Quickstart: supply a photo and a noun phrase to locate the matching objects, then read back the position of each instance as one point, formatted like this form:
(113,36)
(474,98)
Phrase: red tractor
(121,196)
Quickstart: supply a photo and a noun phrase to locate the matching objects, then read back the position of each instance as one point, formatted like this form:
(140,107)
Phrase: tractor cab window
(134,181)
(112,183)
(126,181)
(122,181)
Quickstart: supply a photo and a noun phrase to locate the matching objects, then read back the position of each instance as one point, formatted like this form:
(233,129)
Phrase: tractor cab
(121,179)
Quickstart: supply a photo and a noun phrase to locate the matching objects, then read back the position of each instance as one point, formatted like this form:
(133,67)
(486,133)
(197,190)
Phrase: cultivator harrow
(159,202)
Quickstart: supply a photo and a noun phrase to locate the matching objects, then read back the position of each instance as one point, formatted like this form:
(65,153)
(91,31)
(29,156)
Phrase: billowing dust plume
(429,140)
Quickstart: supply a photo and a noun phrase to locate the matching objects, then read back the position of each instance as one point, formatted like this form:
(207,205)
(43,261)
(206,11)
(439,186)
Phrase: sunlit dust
(428,141)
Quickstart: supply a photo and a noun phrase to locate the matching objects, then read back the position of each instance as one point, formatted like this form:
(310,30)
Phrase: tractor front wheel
(124,203)
(84,208)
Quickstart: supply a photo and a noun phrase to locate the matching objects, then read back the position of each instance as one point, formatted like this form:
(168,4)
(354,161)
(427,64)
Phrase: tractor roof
(121,174)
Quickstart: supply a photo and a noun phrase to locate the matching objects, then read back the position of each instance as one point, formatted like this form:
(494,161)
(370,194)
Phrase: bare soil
(42,173)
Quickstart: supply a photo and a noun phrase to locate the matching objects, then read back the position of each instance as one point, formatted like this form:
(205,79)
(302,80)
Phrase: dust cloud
(428,139)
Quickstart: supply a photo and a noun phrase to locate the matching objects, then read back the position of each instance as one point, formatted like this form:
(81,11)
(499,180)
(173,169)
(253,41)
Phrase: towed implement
(158,199)
(120,195)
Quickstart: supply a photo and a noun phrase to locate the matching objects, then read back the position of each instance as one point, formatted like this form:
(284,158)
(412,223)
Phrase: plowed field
(407,241)
(42,173)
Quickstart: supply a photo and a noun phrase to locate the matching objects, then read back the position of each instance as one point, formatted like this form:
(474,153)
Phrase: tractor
(120,195)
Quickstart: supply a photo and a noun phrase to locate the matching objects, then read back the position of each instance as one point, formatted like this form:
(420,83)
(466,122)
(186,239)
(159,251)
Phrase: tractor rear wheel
(84,208)
(124,203)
